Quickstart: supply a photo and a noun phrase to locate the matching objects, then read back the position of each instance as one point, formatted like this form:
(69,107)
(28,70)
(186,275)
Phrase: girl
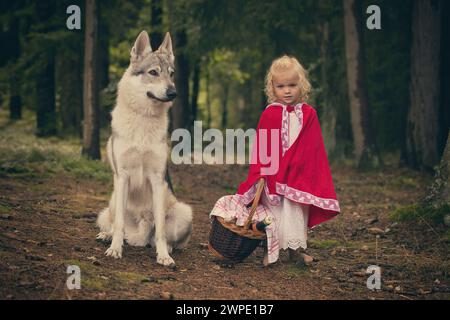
(300,194)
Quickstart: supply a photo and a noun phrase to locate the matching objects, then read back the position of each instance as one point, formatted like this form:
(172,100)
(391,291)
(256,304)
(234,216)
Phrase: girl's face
(286,87)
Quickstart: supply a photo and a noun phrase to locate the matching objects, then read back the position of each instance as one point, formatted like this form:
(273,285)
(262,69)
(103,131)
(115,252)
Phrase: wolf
(142,210)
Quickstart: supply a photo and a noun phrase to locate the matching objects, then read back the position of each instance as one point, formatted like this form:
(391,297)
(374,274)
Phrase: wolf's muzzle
(171,93)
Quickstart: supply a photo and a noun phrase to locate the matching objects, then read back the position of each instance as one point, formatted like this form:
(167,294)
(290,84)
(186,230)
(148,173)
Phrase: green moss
(296,271)
(325,244)
(404,182)
(416,212)
(4,209)
(129,277)
(90,275)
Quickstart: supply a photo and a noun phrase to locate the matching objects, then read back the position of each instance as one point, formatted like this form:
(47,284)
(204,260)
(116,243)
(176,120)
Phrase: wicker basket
(230,242)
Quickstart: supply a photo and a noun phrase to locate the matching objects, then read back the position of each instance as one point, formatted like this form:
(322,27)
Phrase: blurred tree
(439,192)
(15,102)
(445,78)
(422,132)
(91,147)
(156,32)
(10,34)
(69,66)
(195,90)
(45,77)
(180,110)
(366,153)
(104,9)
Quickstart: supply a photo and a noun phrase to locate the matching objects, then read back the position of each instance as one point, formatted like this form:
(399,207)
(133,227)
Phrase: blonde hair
(283,64)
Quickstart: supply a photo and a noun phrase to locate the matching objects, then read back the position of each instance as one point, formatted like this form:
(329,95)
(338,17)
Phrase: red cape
(303,173)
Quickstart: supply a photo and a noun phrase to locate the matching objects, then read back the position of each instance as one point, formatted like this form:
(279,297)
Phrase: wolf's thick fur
(142,209)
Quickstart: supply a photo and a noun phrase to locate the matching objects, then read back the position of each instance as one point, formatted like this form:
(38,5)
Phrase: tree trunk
(445,77)
(224,100)
(245,115)
(103,46)
(329,113)
(15,102)
(422,129)
(439,193)
(195,91)
(156,24)
(45,96)
(69,75)
(180,108)
(366,154)
(208,99)
(91,147)
(45,77)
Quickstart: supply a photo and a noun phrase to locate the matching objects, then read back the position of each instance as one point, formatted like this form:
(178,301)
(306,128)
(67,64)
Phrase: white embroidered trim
(307,198)
(285,123)
(248,196)
(299,113)
(294,244)
(285,131)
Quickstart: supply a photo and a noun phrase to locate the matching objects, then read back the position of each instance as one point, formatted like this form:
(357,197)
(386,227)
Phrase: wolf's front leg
(159,190)
(121,185)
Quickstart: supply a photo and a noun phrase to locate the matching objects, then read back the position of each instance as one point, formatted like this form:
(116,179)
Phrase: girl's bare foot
(266,260)
(266,257)
(299,255)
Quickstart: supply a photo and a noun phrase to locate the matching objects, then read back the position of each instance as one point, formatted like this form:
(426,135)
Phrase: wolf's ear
(141,47)
(166,46)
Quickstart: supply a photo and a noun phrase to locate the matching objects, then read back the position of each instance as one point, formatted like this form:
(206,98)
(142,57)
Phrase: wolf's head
(151,73)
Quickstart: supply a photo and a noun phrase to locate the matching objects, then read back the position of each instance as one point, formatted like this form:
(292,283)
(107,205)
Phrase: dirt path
(47,224)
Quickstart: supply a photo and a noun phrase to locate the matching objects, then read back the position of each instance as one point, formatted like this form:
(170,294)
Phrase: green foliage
(387,63)
(416,212)
(325,244)
(233,42)
(24,155)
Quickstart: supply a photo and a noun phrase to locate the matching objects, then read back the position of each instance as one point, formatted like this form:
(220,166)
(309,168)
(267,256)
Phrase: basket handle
(259,189)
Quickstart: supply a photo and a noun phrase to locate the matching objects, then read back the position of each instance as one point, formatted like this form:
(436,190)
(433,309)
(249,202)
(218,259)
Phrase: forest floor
(49,200)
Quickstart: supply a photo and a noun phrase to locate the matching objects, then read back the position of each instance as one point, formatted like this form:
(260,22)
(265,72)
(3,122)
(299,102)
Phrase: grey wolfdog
(142,210)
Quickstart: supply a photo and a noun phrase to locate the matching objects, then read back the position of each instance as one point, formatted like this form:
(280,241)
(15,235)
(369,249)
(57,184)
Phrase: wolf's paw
(104,236)
(137,240)
(114,252)
(166,261)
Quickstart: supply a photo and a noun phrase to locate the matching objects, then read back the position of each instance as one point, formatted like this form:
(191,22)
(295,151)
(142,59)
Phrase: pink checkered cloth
(232,207)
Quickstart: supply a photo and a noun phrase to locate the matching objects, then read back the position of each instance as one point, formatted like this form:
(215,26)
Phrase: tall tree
(195,90)
(70,82)
(329,113)
(180,109)
(439,192)
(13,48)
(366,154)
(91,134)
(422,129)
(445,75)
(156,23)
(103,44)
(45,77)
(69,74)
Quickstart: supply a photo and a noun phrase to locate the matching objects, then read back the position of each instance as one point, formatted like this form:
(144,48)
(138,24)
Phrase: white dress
(291,217)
